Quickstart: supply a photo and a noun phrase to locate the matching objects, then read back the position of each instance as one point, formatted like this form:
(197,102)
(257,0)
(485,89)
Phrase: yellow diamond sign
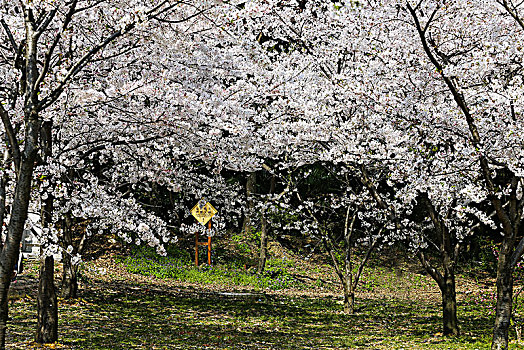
(203,213)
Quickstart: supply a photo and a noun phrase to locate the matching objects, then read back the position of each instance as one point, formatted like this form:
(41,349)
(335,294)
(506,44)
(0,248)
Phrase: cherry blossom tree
(372,94)
(53,51)
(328,204)
(477,65)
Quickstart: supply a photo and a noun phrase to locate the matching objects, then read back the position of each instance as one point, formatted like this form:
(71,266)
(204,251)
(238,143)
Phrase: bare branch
(13,142)
(9,35)
(47,58)
(78,66)
(42,27)
(366,257)
(512,12)
(430,269)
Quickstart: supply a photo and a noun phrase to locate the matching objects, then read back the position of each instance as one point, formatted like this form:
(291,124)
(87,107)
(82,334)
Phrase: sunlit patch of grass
(275,277)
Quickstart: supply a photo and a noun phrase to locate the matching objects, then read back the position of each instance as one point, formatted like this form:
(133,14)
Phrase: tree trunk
(5,281)
(250,190)
(47,326)
(69,278)
(24,163)
(4,312)
(4,179)
(347,281)
(349,295)
(69,275)
(445,280)
(11,248)
(504,305)
(262,257)
(447,286)
(449,306)
(263,244)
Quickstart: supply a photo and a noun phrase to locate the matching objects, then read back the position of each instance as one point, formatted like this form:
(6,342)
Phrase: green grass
(275,277)
(137,318)
(393,312)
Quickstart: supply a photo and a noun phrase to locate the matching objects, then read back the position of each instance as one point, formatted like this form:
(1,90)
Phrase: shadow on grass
(138,319)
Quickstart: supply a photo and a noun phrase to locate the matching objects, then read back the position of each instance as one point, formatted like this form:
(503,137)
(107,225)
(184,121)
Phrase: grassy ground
(123,310)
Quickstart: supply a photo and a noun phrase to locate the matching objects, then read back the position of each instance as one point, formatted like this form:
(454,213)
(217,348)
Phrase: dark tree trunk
(447,286)
(3,196)
(69,280)
(347,280)
(47,326)
(448,252)
(509,255)
(504,304)
(250,190)
(4,312)
(11,247)
(69,276)
(449,306)
(262,257)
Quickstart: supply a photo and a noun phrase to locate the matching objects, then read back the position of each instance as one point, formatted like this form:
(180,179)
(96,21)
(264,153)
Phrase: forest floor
(397,308)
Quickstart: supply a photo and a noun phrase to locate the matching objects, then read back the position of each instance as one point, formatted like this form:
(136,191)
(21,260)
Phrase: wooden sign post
(208,243)
(203,213)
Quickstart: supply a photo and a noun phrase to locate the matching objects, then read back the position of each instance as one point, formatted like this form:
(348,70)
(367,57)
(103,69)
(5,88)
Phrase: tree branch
(49,53)
(430,269)
(13,142)
(475,136)
(9,35)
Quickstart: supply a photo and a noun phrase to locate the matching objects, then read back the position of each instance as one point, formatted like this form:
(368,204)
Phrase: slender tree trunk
(349,295)
(69,279)
(3,195)
(250,190)
(4,312)
(504,304)
(47,325)
(11,248)
(347,277)
(263,244)
(349,287)
(262,257)
(69,276)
